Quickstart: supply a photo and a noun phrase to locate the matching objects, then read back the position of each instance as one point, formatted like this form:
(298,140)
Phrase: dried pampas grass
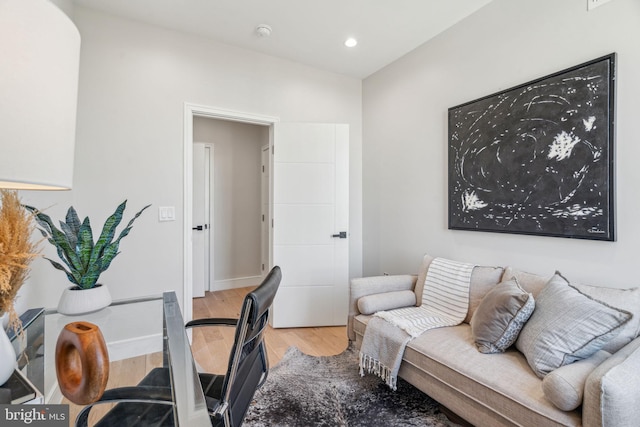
(16,251)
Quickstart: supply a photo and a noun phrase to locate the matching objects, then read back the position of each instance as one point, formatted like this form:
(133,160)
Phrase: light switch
(166,213)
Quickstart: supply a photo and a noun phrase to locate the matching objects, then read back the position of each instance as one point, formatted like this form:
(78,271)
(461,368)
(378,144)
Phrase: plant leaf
(60,267)
(72,235)
(110,252)
(91,277)
(127,229)
(108,231)
(57,238)
(73,221)
(84,247)
(65,250)
(71,227)
(42,219)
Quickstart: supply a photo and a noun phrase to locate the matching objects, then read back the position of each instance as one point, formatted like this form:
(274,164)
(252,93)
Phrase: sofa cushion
(564,387)
(502,313)
(502,382)
(566,326)
(530,282)
(386,301)
(483,279)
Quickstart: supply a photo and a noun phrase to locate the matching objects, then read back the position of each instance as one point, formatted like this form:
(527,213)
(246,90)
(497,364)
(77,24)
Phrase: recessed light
(350,42)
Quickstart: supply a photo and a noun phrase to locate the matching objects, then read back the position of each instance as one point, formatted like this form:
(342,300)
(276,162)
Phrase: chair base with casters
(227,396)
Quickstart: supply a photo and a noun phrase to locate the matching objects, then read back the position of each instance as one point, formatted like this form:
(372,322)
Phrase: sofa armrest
(374,285)
(612,391)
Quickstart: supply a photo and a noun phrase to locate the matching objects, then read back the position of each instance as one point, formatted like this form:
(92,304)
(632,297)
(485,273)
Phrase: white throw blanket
(445,301)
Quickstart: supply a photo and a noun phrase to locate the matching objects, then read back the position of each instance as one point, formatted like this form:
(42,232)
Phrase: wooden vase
(82,362)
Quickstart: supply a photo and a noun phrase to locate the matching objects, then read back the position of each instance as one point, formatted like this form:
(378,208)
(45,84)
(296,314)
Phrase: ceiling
(311,32)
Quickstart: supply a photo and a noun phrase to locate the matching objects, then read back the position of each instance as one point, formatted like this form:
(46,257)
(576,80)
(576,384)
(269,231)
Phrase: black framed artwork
(537,158)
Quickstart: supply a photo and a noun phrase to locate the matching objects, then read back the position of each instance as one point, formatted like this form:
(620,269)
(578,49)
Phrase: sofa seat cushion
(360,324)
(503,382)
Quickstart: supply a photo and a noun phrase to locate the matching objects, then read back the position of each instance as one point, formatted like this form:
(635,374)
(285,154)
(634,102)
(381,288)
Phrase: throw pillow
(623,299)
(564,387)
(483,279)
(386,301)
(566,326)
(502,313)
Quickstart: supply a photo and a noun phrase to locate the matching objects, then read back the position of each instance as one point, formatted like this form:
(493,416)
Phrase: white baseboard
(239,282)
(127,348)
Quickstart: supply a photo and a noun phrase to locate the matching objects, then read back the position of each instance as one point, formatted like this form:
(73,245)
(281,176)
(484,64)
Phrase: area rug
(310,391)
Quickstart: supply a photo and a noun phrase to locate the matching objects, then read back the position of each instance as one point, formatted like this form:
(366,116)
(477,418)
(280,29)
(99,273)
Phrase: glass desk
(134,328)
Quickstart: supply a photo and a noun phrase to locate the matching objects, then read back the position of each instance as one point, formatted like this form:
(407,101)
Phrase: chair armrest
(138,394)
(374,285)
(211,322)
(612,391)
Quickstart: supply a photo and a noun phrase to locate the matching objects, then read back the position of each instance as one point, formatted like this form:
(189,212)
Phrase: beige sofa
(502,389)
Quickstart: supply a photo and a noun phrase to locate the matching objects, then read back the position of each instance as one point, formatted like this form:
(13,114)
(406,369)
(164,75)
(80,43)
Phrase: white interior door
(310,229)
(201,233)
(264,195)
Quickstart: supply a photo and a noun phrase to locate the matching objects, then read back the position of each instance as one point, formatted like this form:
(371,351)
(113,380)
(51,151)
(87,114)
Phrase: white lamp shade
(39,66)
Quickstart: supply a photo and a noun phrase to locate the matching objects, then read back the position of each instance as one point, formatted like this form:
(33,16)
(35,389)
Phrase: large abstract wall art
(537,158)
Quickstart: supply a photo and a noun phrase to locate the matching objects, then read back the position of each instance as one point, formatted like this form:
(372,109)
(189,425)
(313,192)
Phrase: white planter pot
(74,301)
(7,357)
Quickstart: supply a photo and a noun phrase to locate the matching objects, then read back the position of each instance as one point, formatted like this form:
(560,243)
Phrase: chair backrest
(248,358)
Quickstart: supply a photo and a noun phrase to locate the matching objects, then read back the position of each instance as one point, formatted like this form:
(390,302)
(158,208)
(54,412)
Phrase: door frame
(190,111)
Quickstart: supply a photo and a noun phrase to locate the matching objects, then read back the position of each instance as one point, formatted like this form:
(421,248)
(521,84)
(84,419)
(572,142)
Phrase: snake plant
(84,259)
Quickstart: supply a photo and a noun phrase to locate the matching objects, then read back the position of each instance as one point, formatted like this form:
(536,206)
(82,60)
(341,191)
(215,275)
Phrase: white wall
(134,81)
(237,194)
(508,42)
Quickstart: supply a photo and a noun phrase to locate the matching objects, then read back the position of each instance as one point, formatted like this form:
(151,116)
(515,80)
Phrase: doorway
(235,202)
(309,198)
(191,112)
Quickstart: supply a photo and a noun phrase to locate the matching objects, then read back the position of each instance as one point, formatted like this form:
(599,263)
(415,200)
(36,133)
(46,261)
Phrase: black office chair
(228,396)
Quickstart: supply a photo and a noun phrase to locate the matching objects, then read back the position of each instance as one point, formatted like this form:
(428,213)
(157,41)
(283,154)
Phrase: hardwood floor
(211,346)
